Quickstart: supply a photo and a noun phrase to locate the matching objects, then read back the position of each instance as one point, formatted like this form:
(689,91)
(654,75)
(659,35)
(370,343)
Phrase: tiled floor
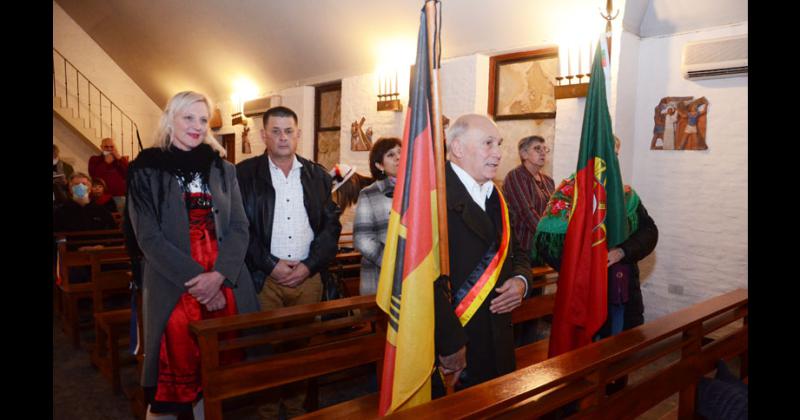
(81,393)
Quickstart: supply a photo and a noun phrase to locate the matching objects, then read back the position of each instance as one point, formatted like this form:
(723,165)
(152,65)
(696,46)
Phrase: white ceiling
(171,45)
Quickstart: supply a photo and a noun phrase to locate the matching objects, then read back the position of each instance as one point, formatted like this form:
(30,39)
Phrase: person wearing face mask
(111,168)
(80,213)
(185,210)
(372,211)
(62,171)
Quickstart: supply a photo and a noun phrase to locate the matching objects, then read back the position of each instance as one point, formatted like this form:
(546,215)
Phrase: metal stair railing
(73,91)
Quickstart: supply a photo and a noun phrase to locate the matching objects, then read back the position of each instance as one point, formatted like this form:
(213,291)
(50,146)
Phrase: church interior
(676,90)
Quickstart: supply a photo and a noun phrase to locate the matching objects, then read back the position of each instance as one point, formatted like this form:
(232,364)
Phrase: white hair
(461,126)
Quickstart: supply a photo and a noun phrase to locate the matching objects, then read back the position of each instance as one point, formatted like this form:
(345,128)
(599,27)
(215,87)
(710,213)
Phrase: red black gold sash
(481,281)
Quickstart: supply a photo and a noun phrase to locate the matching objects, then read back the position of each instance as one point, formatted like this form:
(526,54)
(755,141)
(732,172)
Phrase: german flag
(411,254)
(596,223)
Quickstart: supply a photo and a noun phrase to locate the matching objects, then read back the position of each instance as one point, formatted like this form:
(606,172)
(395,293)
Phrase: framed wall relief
(521,85)
(680,124)
(360,140)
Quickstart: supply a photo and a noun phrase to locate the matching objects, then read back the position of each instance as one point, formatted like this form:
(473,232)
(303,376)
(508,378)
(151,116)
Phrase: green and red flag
(410,262)
(596,223)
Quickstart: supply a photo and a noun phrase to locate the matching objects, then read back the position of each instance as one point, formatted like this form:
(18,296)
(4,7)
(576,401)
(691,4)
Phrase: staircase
(88,111)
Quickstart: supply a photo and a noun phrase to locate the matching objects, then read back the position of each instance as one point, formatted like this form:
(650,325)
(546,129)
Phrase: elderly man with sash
(489,276)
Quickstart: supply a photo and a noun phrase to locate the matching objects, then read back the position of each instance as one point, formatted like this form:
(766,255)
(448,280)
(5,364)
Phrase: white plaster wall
(698,199)
(359,99)
(569,120)
(624,116)
(460,85)
(464,89)
(79,48)
(299,99)
(71,148)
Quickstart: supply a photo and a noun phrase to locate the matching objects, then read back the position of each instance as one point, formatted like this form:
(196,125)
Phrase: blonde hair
(177,103)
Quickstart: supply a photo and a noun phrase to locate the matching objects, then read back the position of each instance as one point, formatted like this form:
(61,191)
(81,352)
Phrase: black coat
(258,197)
(489,337)
(74,217)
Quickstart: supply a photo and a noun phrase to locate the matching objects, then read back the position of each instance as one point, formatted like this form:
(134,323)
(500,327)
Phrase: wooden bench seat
(532,308)
(112,329)
(346,268)
(328,350)
(582,374)
(83,249)
(112,326)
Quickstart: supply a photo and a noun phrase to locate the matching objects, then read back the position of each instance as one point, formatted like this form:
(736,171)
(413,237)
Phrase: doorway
(327,110)
(229,143)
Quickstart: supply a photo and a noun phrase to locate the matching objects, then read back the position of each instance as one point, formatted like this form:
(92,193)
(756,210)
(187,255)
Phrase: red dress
(179,357)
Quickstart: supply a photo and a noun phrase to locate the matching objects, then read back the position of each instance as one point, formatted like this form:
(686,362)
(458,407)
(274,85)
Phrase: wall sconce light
(388,95)
(573,90)
(583,58)
(236,118)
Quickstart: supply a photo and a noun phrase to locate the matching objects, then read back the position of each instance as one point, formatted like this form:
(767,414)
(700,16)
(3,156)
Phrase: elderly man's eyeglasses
(541,149)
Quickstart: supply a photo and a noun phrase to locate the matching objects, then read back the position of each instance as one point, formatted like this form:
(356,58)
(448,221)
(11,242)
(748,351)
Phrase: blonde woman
(187,216)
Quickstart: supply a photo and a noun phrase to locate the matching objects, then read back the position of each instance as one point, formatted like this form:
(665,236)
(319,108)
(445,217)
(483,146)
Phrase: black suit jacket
(489,337)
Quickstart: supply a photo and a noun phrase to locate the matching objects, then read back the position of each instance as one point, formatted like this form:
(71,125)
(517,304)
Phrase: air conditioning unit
(715,58)
(259,106)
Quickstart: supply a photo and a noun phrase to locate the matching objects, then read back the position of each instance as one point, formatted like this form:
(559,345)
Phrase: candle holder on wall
(390,102)
(577,90)
(388,95)
(571,90)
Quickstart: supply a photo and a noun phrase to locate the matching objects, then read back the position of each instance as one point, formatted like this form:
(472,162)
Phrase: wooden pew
(69,254)
(346,240)
(111,325)
(222,382)
(531,308)
(347,269)
(582,375)
(328,351)
(117,218)
(346,266)
(536,307)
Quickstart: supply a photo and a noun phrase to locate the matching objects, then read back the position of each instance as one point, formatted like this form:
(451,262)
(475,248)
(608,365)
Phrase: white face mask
(106,153)
(55,161)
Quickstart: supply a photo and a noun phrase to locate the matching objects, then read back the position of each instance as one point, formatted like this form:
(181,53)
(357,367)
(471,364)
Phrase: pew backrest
(334,345)
(582,374)
(70,247)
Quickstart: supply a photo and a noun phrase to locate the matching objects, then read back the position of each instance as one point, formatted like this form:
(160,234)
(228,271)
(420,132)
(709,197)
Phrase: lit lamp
(243,90)
(236,118)
(388,95)
(569,89)
(583,60)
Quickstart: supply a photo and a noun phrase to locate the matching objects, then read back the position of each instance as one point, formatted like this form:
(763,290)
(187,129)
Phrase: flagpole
(438,137)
